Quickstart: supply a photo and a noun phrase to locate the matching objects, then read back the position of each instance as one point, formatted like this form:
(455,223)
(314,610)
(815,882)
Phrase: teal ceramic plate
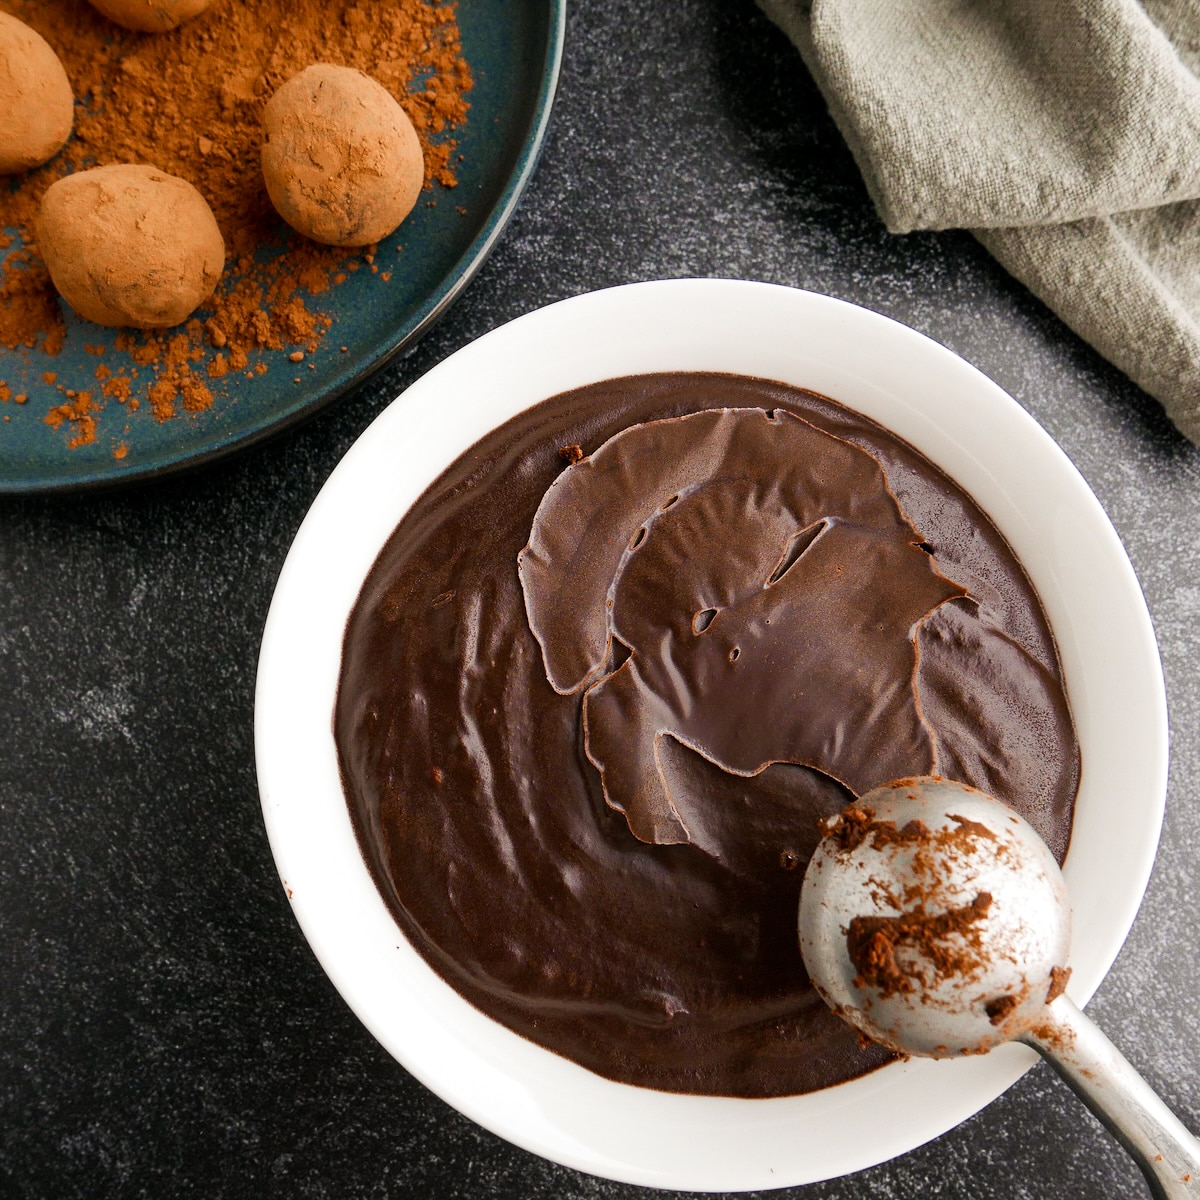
(514,48)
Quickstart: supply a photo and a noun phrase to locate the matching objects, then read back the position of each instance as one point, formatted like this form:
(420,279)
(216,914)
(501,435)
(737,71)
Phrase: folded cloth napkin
(1065,134)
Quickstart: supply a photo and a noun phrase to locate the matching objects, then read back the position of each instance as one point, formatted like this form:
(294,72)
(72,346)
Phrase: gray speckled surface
(164,1030)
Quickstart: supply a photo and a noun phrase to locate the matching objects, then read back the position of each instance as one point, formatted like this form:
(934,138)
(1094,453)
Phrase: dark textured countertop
(164,1029)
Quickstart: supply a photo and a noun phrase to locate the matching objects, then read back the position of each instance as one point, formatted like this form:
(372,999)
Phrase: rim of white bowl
(961,420)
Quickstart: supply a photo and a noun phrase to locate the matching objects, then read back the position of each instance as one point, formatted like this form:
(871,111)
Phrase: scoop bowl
(956,919)
(935,921)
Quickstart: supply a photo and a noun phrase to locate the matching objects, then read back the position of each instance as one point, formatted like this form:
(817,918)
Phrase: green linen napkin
(1065,134)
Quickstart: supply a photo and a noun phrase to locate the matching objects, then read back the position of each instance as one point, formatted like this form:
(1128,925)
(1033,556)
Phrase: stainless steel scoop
(936,921)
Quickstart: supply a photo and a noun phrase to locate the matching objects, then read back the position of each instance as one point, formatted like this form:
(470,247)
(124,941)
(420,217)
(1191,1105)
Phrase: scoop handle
(1075,1046)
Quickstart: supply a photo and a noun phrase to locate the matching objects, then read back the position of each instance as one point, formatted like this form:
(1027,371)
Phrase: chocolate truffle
(150,16)
(35,98)
(341,160)
(130,245)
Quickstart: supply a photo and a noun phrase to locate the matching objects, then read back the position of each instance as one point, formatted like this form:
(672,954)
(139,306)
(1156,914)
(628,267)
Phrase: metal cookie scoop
(936,921)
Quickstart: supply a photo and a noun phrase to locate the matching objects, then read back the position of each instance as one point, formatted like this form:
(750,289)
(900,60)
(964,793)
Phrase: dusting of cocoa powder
(1000,1009)
(949,942)
(190,102)
(854,825)
(1059,978)
(79,412)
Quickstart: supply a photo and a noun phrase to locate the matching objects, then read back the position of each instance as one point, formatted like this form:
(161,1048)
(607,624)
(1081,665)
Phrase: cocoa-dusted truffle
(150,16)
(35,98)
(130,245)
(341,160)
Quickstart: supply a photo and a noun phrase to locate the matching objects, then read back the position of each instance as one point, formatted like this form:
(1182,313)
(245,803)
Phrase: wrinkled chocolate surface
(626,893)
(766,588)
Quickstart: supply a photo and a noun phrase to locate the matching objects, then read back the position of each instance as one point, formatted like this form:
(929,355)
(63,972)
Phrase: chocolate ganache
(613,667)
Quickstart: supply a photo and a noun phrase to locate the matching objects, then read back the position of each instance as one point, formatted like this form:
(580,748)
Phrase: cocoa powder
(1059,978)
(949,942)
(853,825)
(189,101)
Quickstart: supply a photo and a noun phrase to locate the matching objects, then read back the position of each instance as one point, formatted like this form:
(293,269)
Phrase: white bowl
(946,408)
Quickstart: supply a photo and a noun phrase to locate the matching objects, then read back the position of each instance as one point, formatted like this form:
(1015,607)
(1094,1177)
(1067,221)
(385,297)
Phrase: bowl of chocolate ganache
(586,632)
